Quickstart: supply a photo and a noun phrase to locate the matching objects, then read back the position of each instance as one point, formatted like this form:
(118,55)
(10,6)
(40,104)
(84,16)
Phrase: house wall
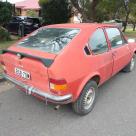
(17,11)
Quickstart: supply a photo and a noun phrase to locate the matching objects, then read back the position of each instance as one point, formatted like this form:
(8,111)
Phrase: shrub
(55,11)
(5,12)
(4,34)
(32,13)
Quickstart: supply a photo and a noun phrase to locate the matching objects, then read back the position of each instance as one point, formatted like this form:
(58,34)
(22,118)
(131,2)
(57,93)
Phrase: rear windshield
(51,40)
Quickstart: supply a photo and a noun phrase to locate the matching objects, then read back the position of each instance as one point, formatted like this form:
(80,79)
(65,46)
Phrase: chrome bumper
(48,97)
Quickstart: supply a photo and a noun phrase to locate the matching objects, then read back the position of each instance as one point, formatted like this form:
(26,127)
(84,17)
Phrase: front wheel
(130,66)
(86,100)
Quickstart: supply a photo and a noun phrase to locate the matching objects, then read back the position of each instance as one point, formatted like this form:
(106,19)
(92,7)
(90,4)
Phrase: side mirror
(132,40)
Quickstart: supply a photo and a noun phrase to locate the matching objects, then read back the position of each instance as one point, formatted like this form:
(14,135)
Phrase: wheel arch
(95,77)
(135,52)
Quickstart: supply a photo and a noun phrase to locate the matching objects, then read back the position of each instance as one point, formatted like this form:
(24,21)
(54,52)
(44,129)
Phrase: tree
(109,8)
(127,10)
(55,11)
(32,13)
(87,8)
(97,10)
(132,16)
(102,10)
(120,9)
(5,12)
(132,19)
(5,15)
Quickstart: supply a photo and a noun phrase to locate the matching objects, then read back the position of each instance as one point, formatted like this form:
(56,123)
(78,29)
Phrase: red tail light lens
(58,82)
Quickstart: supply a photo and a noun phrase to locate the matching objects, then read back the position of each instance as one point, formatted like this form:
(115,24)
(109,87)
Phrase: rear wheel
(130,66)
(86,101)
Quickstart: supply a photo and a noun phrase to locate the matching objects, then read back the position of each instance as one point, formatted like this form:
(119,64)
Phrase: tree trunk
(127,15)
(126,22)
(134,27)
(93,10)
(80,10)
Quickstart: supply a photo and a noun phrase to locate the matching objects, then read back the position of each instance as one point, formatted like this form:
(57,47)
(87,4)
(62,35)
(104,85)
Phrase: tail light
(58,85)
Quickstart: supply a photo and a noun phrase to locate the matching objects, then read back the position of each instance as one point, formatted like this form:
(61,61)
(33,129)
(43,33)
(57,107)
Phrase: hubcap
(132,64)
(89,98)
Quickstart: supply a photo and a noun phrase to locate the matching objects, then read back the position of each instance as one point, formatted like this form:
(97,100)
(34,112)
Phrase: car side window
(98,43)
(115,37)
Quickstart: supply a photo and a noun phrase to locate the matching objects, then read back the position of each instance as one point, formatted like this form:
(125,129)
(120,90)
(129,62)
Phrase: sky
(13,1)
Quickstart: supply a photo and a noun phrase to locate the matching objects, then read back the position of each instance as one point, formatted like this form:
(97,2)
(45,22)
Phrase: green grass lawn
(130,33)
(6,44)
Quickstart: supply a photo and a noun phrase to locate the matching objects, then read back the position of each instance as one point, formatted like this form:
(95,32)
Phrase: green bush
(55,11)
(4,34)
(5,12)
(32,13)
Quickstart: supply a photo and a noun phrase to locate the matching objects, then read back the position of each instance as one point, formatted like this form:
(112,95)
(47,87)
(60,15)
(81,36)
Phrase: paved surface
(113,115)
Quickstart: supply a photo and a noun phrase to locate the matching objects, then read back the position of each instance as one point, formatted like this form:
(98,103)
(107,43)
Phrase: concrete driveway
(113,115)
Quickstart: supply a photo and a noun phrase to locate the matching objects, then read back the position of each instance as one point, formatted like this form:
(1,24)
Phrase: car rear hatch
(29,59)
(27,66)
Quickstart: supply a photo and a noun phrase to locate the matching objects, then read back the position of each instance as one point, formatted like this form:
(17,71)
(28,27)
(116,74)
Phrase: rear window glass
(51,40)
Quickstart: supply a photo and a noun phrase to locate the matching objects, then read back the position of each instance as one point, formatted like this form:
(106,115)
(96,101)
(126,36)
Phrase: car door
(102,56)
(119,47)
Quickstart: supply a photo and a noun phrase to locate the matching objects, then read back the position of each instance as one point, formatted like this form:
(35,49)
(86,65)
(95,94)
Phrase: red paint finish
(72,64)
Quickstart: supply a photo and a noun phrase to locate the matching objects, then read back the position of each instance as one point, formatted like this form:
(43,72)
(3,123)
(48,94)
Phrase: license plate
(22,73)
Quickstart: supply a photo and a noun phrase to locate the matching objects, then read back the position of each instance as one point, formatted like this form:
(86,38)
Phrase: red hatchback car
(66,63)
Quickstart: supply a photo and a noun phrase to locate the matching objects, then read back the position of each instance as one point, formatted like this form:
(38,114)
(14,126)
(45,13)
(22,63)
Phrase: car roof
(82,25)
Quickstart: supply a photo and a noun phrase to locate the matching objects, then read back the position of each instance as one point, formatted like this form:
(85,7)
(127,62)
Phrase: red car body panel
(71,64)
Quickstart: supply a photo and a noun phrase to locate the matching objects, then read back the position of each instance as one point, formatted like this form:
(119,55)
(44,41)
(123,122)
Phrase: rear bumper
(30,90)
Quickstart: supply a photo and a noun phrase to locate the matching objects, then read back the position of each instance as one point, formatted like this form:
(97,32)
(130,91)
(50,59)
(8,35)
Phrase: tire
(130,67)
(86,101)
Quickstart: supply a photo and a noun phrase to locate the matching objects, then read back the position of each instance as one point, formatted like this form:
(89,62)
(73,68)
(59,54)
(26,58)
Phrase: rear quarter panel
(74,65)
